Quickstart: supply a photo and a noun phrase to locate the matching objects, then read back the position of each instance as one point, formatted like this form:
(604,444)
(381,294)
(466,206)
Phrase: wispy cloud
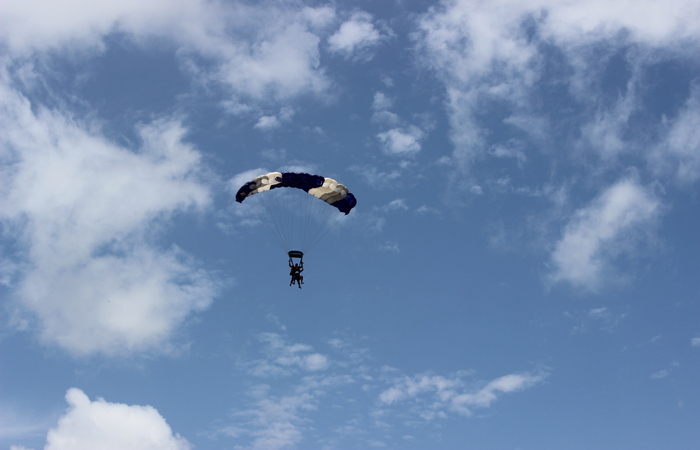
(283,358)
(678,154)
(601,232)
(291,398)
(434,396)
(664,373)
(599,318)
(389,246)
(17,424)
(492,53)
(278,420)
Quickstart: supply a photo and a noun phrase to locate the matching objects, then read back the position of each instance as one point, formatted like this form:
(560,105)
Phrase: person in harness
(295,271)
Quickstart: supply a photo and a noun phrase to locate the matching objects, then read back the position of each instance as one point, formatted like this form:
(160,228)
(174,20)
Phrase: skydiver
(295,271)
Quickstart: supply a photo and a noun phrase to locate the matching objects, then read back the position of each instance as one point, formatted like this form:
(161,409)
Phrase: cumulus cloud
(99,424)
(402,141)
(601,232)
(398,137)
(85,211)
(695,342)
(356,37)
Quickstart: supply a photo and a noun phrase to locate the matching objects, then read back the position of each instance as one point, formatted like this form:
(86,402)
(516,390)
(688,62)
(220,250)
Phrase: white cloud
(397,205)
(664,373)
(281,60)
(85,211)
(511,149)
(600,232)
(425,209)
(602,318)
(389,246)
(275,422)
(100,424)
(660,374)
(285,359)
(489,393)
(267,123)
(679,152)
(381,102)
(493,53)
(16,423)
(477,49)
(434,395)
(294,401)
(398,139)
(314,362)
(278,420)
(356,37)
(695,342)
(260,52)
(604,133)
(402,141)
(376,178)
(381,114)
(647,21)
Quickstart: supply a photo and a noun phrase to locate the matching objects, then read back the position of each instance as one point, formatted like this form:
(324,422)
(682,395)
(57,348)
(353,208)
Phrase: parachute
(299,216)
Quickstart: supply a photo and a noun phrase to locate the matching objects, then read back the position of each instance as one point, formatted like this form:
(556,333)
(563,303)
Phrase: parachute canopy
(299,216)
(326,189)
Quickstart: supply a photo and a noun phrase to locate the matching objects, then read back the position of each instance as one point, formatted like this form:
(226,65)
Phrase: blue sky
(520,272)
